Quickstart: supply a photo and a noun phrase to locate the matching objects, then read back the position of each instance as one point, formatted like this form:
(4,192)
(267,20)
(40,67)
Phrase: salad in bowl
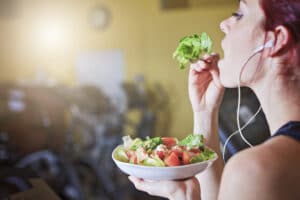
(163,158)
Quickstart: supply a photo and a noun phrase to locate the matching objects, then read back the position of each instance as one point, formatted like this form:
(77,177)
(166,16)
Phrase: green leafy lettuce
(136,143)
(205,155)
(152,143)
(121,155)
(193,141)
(191,48)
(156,162)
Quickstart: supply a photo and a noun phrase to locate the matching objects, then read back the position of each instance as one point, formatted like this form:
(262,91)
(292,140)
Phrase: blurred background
(77,75)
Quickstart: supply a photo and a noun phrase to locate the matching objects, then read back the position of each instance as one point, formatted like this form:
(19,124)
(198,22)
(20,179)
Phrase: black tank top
(290,129)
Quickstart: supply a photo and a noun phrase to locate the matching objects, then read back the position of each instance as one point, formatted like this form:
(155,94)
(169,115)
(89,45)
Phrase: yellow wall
(146,34)
(164,29)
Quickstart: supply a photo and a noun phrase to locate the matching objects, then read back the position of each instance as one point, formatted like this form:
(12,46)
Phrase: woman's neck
(280,100)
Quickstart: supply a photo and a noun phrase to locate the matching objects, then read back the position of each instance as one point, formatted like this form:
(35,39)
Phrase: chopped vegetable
(121,155)
(153,162)
(191,48)
(186,157)
(172,160)
(205,155)
(193,141)
(151,143)
(169,141)
(164,151)
(136,144)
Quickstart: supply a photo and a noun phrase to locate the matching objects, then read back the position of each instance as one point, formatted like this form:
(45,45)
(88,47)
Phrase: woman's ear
(282,40)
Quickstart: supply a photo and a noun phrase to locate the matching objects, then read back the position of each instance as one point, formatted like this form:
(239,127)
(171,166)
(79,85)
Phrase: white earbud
(268,44)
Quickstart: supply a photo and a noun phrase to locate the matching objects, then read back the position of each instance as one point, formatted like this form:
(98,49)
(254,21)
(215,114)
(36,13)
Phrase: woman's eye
(237,15)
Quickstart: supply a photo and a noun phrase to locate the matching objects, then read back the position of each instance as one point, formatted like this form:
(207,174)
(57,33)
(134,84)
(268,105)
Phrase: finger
(197,66)
(142,185)
(215,59)
(214,70)
(216,78)
(153,188)
(214,54)
(203,63)
(209,58)
(134,180)
(193,186)
(208,61)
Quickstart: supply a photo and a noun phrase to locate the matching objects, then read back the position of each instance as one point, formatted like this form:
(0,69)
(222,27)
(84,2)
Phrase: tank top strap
(290,129)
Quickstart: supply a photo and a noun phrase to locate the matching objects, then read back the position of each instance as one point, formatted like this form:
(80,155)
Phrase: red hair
(285,13)
(282,12)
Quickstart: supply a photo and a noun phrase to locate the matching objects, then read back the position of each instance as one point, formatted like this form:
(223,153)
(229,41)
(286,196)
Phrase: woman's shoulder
(272,167)
(275,156)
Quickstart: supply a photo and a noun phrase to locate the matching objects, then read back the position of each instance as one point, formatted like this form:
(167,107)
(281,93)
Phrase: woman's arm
(210,179)
(206,93)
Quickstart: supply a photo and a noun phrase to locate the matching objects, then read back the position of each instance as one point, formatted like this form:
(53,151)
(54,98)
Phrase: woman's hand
(205,88)
(182,190)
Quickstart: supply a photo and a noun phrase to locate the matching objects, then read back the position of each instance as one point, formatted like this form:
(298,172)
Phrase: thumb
(216,78)
(151,187)
(214,70)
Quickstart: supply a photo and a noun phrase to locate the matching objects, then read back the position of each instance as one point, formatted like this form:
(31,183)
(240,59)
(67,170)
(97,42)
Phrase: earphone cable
(238,112)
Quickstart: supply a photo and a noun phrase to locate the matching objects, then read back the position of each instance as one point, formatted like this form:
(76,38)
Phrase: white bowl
(162,173)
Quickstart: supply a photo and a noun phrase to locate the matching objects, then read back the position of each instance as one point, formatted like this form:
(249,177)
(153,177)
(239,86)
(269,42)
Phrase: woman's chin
(227,81)
(225,76)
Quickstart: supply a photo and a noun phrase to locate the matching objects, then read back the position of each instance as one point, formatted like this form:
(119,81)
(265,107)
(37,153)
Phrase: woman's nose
(224,26)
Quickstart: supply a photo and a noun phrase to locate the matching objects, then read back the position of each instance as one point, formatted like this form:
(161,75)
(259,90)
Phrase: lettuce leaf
(136,144)
(192,141)
(203,156)
(156,162)
(152,143)
(191,48)
(121,155)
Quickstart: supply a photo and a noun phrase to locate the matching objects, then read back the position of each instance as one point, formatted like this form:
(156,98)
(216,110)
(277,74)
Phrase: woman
(269,171)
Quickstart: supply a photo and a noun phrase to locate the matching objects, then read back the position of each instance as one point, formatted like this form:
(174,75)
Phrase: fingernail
(197,68)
